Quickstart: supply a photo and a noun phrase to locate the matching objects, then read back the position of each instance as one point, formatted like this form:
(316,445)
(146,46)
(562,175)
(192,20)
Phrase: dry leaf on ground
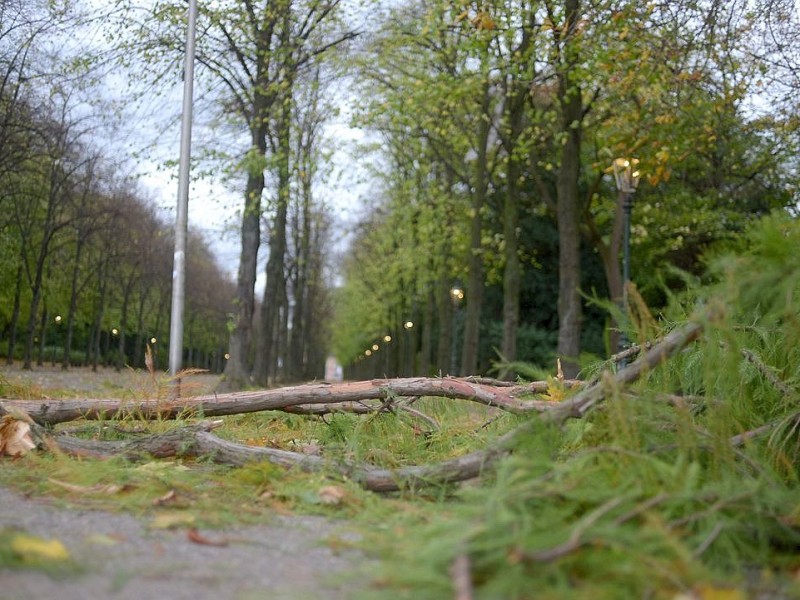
(197,538)
(98,488)
(331,494)
(30,548)
(15,437)
(171,520)
(169,498)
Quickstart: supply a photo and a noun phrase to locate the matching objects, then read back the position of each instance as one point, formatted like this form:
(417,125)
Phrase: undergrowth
(684,486)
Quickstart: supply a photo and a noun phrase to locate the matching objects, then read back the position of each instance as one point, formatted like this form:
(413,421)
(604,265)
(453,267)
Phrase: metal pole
(627,205)
(454,341)
(179,261)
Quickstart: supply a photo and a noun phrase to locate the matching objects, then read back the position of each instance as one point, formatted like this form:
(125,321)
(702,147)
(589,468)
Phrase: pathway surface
(120,557)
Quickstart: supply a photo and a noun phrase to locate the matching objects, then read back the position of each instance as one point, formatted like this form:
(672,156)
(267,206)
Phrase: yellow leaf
(99,539)
(171,520)
(710,592)
(30,548)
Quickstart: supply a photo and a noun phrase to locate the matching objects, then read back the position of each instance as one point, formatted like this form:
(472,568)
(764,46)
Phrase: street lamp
(626,176)
(456,296)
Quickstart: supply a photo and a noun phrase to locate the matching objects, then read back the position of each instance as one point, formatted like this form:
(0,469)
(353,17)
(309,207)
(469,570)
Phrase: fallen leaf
(15,437)
(194,536)
(98,488)
(99,539)
(30,548)
(171,520)
(311,449)
(168,498)
(160,467)
(710,592)
(331,494)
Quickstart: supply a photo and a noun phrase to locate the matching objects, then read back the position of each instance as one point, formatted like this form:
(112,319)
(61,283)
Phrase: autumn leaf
(331,494)
(171,520)
(169,498)
(483,21)
(31,549)
(195,537)
(98,488)
(15,437)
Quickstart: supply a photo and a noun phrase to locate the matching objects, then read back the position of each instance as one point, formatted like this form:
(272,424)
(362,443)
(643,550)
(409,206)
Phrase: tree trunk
(98,319)
(472,322)
(426,349)
(275,289)
(73,304)
(12,332)
(571,105)
(42,336)
(123,327)
(237,369)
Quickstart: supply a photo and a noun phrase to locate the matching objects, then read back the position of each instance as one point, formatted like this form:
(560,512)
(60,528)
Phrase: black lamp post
(626,176)
(456,296)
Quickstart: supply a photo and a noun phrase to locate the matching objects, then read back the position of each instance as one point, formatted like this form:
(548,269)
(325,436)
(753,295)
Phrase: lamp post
(456,296)
(410,347)
(626,177)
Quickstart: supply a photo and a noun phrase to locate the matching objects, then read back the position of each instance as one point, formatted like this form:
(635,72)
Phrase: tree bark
(474,292)
(568,213)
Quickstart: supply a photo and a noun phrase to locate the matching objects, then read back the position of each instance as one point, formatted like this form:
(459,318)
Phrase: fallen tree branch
(512,399)
(766,371)
(577,406)
(197,440)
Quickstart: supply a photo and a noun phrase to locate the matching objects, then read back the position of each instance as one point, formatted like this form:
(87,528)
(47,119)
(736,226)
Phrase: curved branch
(512,399)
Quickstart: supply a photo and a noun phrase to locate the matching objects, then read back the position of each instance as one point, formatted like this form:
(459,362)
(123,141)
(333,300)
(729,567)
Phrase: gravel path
(121,557)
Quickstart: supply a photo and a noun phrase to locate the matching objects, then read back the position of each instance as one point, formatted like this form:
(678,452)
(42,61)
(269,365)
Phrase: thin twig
(642,507)
(575,540)
(420,415)
(766,371)
(710,538)
(461,574)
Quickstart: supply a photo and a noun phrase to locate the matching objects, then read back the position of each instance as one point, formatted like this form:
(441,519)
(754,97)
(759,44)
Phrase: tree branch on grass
(299,398)
(197,440)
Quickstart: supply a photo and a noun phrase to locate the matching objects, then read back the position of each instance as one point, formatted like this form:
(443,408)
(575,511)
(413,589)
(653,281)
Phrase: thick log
(512,399)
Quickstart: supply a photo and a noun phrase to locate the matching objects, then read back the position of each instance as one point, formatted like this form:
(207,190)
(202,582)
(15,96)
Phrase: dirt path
(119,556)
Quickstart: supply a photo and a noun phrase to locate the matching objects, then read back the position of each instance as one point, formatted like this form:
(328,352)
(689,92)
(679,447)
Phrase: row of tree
(260,116)
(86,260)
(496,124)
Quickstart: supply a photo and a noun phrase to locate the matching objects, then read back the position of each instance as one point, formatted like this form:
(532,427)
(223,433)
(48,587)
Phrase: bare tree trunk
(98,319)
(275,290)
(12,332)
(568,213)
(469,354)
(73,303)
(237,369)
(42,335)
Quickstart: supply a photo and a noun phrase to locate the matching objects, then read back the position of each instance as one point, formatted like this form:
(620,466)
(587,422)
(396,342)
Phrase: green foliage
(649,496)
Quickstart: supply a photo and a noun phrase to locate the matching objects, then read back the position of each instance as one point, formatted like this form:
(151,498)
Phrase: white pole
(179,262)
